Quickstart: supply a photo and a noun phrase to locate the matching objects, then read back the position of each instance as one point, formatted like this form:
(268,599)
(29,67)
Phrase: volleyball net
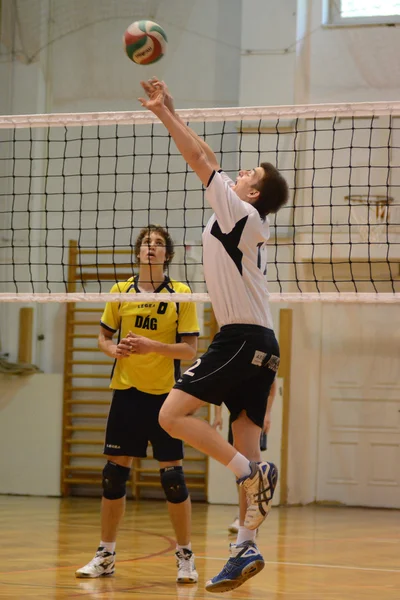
(76,189)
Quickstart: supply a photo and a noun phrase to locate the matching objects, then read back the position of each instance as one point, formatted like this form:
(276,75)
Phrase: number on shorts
(192,368)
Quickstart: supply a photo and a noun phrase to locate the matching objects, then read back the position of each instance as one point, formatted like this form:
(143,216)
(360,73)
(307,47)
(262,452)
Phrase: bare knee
(175,409)
(166,419)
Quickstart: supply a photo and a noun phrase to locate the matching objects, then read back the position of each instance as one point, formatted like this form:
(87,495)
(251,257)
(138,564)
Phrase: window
(362,12)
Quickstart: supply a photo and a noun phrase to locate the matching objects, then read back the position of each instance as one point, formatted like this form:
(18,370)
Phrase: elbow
(192,352)
(196,158)
(197,155)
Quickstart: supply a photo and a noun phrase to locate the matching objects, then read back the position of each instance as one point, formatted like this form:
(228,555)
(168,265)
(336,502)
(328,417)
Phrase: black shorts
(133,422)
(238,369)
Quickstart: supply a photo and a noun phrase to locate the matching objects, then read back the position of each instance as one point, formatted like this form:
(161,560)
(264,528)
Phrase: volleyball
(145,42)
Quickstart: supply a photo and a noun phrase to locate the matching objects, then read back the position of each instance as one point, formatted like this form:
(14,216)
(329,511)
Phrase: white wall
(268,58)
(345,64)
(225,52)
(289,57)
(30,434)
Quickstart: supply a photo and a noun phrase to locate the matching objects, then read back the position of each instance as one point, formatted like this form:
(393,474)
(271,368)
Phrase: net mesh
(94,180)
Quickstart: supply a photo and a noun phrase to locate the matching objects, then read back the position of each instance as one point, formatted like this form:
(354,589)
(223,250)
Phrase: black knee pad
(114,481)
(174,484)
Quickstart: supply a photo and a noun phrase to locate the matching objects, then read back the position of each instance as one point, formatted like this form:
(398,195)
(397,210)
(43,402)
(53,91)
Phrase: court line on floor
(171,546)
(311,565)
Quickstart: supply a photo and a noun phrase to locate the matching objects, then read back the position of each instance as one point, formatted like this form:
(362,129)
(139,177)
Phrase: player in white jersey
(241,363)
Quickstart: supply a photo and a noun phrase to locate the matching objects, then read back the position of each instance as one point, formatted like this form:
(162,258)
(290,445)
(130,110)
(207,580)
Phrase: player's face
(152,249)
(245,182)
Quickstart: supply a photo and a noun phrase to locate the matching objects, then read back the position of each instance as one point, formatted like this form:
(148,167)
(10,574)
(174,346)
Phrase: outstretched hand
(156,96)
(149,87)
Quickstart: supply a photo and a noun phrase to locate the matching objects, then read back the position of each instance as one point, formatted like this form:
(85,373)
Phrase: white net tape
(327,298)
(252,113)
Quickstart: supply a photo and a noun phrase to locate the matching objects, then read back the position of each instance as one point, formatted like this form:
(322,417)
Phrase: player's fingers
(122,353)
(124,344)
(146,86)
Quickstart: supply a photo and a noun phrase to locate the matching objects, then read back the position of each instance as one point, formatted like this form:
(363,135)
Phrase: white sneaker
(102,564)
(186,568)
(259,486)
(234,526)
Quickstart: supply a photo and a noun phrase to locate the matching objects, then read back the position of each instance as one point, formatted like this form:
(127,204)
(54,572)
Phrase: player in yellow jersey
(152,338)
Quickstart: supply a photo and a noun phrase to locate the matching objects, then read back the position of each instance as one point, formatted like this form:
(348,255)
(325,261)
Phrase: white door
(359,421)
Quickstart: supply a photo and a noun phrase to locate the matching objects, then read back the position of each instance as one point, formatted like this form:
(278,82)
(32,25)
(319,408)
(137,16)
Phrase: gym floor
(311,553)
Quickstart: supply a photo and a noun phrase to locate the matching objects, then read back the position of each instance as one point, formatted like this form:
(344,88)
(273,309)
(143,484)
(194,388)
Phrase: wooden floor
(311,553)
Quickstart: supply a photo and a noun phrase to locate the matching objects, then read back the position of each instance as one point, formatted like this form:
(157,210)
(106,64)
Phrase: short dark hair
(274,191)
(169,244)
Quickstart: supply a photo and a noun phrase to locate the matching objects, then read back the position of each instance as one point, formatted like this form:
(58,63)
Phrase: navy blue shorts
(133,423)
(238,370)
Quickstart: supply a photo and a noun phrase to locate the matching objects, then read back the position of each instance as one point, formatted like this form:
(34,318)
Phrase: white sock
(240,465)
(245,535)
(185,547)
(108,546)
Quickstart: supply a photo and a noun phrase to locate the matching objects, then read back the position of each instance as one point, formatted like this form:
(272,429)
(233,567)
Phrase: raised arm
(188,143)
(169,103)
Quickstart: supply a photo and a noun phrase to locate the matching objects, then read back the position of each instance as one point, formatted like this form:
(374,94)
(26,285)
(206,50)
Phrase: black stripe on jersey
(107,327)
(178,339)
(212,177)
(168,287)
(259,246)
(135,284)
(230,241)
(115,361)
(191,333)
(177,362)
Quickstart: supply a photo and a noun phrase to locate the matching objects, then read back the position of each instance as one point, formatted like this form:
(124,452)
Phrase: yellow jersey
(164,322)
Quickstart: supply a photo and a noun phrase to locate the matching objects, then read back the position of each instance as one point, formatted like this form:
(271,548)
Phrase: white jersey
(235,257)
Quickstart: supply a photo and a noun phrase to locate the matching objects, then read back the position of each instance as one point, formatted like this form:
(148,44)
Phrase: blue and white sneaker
(245,562)
(260,486)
